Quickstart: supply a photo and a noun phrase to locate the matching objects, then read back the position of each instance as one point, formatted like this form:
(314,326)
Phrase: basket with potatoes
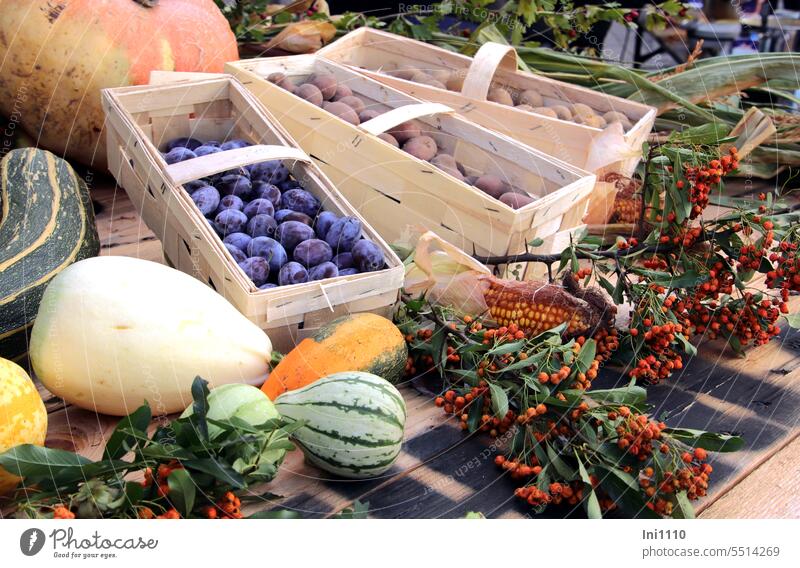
(408,165)
(237,204)
(593,131)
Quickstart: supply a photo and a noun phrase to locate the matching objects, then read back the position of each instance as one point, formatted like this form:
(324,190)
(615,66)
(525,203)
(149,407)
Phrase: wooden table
(442,472)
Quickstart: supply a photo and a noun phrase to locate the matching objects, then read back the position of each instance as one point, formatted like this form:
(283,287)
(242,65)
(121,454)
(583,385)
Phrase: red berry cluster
(786,274)
(636,433)
(701,179)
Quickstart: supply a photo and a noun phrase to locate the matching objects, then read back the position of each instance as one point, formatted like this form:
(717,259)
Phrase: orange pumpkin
(56,55)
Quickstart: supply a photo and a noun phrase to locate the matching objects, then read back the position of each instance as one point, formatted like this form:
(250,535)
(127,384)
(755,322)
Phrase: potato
(562,112)
(470,179)
(441,75)
(526,108)
(422,147)
(580,110)
(341,92)
(614,116)
(455,82)
(545,111)
(368,114)
(448,164)
(343,111)
(282,81)
(310,93)
(500,95)
(389,138)
(531,98)
(491,185)
(424,79)
(516,200)
(353,102)
(404,131)
(593,121)
(326,83)
(403,72)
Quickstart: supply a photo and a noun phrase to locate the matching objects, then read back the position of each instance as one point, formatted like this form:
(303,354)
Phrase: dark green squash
(46,224)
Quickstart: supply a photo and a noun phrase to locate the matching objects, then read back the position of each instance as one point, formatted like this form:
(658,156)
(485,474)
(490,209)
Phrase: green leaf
(682,508)
(38,464)
(475,413)
(200,406)
(120,442)
(586,356)
(624,490)
(505,348)
(710,441)
(474,515)
(359,510)
(688,348)
(590,502)
(181,491)
(559,464)
(631,395)
(218,470)
(499,400)
(793,320)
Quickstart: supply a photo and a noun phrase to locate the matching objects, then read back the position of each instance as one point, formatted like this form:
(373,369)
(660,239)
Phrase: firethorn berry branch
(183,472)
(688,278)
(568,445)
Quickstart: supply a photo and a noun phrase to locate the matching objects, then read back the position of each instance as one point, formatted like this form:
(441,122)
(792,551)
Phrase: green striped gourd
(46,224)
(354,423)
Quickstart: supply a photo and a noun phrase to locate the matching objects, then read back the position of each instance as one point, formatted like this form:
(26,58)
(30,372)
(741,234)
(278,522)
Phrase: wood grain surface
(443,473)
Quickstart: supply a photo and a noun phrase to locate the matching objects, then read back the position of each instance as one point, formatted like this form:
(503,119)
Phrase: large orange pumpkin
(56,55)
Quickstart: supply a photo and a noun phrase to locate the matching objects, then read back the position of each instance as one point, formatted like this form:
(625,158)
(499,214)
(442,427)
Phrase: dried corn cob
(537,306)
(628,203)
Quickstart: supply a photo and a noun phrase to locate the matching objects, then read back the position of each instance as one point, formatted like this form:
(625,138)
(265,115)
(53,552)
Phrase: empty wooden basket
(383,56)
(400,194)
(142,119)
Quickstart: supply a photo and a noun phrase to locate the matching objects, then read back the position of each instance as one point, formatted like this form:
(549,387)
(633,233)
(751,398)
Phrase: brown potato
(422,147)
(310,93)
(545,111)
(614,116)
(593,121)
(500,95)
(491,185)
(326,83)
(470,179)
(425,79)
(343,111)
(526,108)
(562,112)
(516,200)
(448,164)
(354,102)
(455,82)
(531,98)
(282,81)
(580,110)
(341,92)
(403,72)
(404,131)
(441,75)
(388,138)
(368,114)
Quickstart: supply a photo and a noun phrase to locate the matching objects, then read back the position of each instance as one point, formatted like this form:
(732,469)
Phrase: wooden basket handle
(490,57)
(392,118)
(210,164)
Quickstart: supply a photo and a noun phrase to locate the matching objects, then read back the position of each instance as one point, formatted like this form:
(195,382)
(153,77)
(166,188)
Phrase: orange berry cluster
(661,360)
(701,179)
(557,493)
(786,274)
(160,479)
(169,514)
(751,319)
(636,433)
(227,507)
(519,469)
(62,512)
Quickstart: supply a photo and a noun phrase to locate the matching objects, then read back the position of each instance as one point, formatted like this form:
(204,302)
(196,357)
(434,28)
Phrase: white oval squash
(115,331)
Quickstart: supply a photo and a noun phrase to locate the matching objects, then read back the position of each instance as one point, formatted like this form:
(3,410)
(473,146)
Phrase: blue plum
(261,226)
(267,286)
(230,202)
(190,143)
(273,172)
(239,240)
(343,260)
(269,249)
(178,154)
(312,252)
(233,144)
(264,190)
(257,269)
(323,271)
(301,201)
(343,234)
(205,150)
(230,221)
(236,253)
(259,206)
(292,273)
(368,256)
(288,215)
(234,184)
(324,222)
(207,199)
(292,233)
(348,271)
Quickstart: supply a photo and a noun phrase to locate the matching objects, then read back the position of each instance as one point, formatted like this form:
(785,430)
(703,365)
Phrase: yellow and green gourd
(46,224)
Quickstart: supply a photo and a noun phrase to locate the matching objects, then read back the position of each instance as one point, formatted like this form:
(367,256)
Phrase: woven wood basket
(141,119)
(400,194)
(374,53)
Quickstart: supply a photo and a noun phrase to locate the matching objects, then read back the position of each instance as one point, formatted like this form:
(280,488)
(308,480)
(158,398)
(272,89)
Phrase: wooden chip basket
(372,52)
(141,119)
(400,194)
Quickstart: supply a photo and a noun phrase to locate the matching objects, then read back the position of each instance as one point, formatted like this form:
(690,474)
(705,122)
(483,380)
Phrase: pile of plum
(276,230)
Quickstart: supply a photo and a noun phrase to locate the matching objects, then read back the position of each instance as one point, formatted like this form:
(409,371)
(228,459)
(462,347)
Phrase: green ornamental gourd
(354,423)
(46,224)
